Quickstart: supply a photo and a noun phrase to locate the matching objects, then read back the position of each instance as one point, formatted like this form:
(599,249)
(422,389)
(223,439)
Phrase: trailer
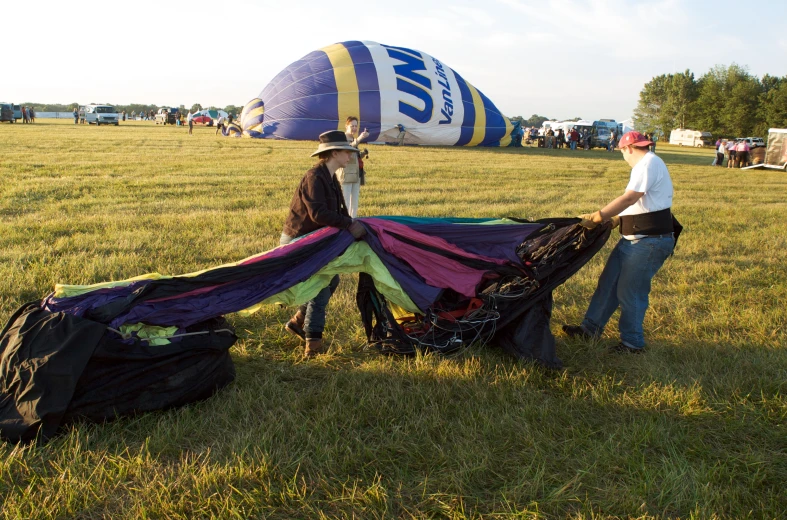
(776,151)
(685,137)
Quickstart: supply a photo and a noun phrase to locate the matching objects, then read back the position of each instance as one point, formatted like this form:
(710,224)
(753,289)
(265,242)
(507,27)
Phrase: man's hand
(591,220)
(357,229)
(587,221)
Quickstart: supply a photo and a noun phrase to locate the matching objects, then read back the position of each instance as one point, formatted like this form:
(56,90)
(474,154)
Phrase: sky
(560,59)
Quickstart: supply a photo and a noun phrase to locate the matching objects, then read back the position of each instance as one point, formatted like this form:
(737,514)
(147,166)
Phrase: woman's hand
(357,229)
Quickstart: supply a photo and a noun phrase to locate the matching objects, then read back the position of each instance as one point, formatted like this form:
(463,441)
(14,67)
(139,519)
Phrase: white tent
(627,125)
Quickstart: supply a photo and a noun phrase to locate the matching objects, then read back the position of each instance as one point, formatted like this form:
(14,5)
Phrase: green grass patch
(695,428)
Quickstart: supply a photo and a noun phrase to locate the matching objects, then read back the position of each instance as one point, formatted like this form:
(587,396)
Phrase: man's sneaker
(576,331)
(620,348)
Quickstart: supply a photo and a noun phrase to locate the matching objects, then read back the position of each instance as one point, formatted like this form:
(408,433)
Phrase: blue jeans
(573,145)
(314,309)
(625,282)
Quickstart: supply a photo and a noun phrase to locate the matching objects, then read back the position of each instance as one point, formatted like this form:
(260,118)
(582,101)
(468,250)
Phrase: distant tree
(773,106)
(196,107)
(730,101)
(535,120)
(666,102)
(740,110)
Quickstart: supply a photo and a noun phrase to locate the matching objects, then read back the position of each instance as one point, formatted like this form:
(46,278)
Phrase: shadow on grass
(678,430)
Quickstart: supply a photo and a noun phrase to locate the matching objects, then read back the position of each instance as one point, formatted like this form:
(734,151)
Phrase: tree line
(725,101)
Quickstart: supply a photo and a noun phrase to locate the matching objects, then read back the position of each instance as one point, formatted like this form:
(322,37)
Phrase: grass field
(694,428)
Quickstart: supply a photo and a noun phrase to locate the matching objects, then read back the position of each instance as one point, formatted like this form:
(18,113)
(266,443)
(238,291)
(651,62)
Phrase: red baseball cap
(633,138)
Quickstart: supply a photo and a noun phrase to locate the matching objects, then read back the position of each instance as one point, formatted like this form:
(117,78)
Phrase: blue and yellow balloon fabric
(399,94)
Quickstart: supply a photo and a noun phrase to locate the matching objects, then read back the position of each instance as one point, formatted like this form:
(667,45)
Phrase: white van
(99,114)
(690,138)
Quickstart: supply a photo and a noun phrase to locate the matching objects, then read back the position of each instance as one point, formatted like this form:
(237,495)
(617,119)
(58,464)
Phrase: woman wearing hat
(318,202)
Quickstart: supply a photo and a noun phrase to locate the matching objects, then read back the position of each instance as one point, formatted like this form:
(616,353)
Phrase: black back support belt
(654,223)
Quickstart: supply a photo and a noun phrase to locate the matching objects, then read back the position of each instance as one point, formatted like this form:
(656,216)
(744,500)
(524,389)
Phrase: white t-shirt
(221,120)
(651,177)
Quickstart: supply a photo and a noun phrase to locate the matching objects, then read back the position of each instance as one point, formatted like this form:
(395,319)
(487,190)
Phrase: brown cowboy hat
(333,140)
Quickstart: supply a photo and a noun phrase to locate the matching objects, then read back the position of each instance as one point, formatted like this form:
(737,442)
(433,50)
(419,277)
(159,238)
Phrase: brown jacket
(318,202)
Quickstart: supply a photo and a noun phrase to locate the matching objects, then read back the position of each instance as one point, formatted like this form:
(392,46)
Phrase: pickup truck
(167,116)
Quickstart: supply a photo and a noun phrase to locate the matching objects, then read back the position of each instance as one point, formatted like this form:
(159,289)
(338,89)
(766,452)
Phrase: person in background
(612,139)
(561,138)
(76,115)
(219,124)
(573,138)
(721,147)
(731,154)
(653,138)
(24,114)
(32,114)
(190,121)
(350,176)
(646,224)
(742,154)
(318,202)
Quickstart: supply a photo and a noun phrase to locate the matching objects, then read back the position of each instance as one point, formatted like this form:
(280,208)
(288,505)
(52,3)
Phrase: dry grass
(695,428)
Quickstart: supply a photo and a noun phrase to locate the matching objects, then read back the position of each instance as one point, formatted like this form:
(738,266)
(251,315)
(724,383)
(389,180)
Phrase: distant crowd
(28,115)
(737,153)
(571,139)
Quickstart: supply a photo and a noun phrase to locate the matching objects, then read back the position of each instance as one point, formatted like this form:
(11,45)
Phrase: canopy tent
(627,125)
(212,114)
(426,284)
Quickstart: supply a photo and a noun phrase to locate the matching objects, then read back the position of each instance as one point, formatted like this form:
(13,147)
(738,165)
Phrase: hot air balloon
(400,95)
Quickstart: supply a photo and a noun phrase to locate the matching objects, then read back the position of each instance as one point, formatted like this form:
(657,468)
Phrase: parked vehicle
(753,142)
(99,114)
(601,132)
(7,112)
(202,120)
(18,111)
(685,137)
(167,115)
(775,157)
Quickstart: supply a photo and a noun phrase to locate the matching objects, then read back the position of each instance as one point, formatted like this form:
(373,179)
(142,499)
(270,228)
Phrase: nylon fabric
(358,258)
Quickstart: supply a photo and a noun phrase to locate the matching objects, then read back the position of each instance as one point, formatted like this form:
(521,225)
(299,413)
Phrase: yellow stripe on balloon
(479,125)
(506,139)
(346,82)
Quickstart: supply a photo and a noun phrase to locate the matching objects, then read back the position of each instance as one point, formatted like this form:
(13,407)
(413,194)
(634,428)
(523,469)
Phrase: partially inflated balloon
(399,94)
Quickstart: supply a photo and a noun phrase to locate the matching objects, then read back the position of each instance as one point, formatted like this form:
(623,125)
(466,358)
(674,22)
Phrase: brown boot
(295,325)
(314,347)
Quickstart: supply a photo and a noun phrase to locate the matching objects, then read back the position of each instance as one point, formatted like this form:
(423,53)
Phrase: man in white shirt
(220,124)
(646,225)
